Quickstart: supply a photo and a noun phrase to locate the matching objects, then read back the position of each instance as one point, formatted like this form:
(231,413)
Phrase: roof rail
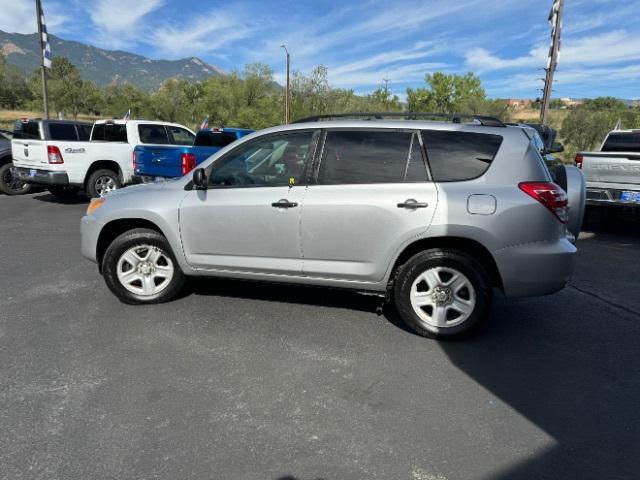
(453,117)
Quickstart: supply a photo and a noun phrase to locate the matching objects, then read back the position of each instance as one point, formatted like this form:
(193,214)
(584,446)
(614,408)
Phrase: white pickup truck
(67,164)
(613,173)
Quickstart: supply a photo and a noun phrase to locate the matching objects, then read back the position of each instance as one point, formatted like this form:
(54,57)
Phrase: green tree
(383,99)
(446,93)
(14,90)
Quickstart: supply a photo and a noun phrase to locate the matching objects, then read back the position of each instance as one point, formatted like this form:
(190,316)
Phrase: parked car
(8,183)
(613,172)
(166,161)
(432,215)
(67,157)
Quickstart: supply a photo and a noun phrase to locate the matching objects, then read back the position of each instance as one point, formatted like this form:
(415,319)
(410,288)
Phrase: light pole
(286,91)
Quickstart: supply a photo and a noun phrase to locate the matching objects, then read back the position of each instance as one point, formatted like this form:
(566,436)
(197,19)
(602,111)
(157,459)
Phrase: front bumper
(538,268)
(90,229)
(41,177)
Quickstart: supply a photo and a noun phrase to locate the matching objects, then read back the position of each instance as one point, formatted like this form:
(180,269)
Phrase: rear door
(370,194)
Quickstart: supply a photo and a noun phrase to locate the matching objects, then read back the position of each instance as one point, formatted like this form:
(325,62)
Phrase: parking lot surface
(241,380)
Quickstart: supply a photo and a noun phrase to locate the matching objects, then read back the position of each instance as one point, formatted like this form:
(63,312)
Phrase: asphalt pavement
(240,380)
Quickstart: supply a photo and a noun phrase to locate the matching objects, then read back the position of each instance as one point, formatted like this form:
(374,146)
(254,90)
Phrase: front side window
(361,156)
(456,156)
(273,160)
(109,132)
(179,136)
(153,134)
(63,131)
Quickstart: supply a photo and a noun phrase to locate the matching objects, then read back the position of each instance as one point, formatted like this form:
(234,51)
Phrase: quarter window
(456,156)
(274,160)
(360,156)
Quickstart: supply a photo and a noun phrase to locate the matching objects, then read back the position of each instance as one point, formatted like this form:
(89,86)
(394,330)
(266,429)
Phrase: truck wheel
(10,184)
(101,182)
(442,293)
(139,267)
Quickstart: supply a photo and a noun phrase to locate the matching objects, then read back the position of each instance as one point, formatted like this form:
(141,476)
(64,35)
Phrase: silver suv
(432,215)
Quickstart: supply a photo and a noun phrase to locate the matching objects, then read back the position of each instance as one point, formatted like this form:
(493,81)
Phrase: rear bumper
(533,269)
(41,177)
(597,196)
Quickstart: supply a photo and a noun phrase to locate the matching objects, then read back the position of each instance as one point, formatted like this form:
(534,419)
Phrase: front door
(248,220)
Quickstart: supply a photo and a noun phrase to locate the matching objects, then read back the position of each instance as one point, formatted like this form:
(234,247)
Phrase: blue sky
(361,42)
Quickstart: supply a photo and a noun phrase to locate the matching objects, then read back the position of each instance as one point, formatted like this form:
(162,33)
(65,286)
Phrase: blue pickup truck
(151,162)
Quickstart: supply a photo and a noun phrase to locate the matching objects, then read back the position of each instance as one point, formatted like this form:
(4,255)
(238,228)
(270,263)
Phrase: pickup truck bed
(161,161)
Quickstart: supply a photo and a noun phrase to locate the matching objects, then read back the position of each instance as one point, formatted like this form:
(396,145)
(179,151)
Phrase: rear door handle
(412,204)
(284,203)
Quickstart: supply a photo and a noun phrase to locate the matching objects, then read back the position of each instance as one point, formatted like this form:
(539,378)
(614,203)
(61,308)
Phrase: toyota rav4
(432,215)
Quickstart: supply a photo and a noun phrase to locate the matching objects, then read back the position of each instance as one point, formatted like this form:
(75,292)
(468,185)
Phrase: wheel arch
(106,164)
(5,159)
(117,227)
(466,245)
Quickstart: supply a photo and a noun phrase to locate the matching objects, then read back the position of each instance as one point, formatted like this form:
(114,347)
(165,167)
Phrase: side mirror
(200,179)
(556,148)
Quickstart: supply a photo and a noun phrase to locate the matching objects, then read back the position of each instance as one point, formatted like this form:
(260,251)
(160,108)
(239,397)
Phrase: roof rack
(453,117)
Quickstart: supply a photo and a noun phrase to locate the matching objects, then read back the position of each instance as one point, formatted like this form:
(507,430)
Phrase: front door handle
(284,203)
(412,204)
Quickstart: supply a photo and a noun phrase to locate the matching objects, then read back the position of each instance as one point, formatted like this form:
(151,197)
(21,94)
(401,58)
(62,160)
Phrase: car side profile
(432,215)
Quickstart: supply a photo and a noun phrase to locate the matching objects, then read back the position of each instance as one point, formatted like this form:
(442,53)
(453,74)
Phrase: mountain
(104,67)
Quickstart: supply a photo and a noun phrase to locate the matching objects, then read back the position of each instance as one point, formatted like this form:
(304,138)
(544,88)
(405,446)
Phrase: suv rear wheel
(101,182)
(139,267)
(442,293)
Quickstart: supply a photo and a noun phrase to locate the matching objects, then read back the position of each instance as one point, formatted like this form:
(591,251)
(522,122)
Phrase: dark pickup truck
(151,162)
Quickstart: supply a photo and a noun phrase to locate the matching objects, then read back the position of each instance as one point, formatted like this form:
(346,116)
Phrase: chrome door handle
(412,204)
(284,203)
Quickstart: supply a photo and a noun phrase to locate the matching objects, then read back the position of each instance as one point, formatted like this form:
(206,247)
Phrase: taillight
(134,159)
(550,195)
(188,162)
(54,155)
(579,160)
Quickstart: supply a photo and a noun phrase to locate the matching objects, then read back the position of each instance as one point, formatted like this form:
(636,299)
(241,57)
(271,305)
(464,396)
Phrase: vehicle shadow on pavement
(72,200)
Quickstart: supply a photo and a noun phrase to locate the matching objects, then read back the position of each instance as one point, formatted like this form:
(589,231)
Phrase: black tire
(93,186)
(63,193)
(9,184)
(140,237)
(456,260)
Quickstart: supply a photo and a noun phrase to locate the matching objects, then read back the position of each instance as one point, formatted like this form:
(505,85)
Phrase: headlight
(95,204)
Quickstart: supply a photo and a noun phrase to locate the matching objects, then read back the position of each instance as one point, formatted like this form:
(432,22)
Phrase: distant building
(519,103)
(570,102)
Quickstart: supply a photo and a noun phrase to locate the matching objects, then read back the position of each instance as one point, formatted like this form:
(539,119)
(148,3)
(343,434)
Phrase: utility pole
(42,64)
(286,90)
(555,18)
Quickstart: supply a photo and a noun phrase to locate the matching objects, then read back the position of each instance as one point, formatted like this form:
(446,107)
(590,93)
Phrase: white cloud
(19,16)
(604,49)
(205,34)
(119,21)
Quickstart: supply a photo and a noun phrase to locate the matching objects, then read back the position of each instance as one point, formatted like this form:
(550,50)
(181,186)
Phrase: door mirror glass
(556,148)
(200,179)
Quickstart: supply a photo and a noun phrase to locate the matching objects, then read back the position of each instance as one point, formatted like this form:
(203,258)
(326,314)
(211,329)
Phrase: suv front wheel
(442,293)
(139,267)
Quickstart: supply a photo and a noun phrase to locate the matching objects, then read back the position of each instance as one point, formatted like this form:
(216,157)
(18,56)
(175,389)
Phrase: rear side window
(154,134)
(214,139)
(109,132)
(455,156)
(179,136)
(622,142)
(357,157)
(63,131)
(84,131)
(27,130)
